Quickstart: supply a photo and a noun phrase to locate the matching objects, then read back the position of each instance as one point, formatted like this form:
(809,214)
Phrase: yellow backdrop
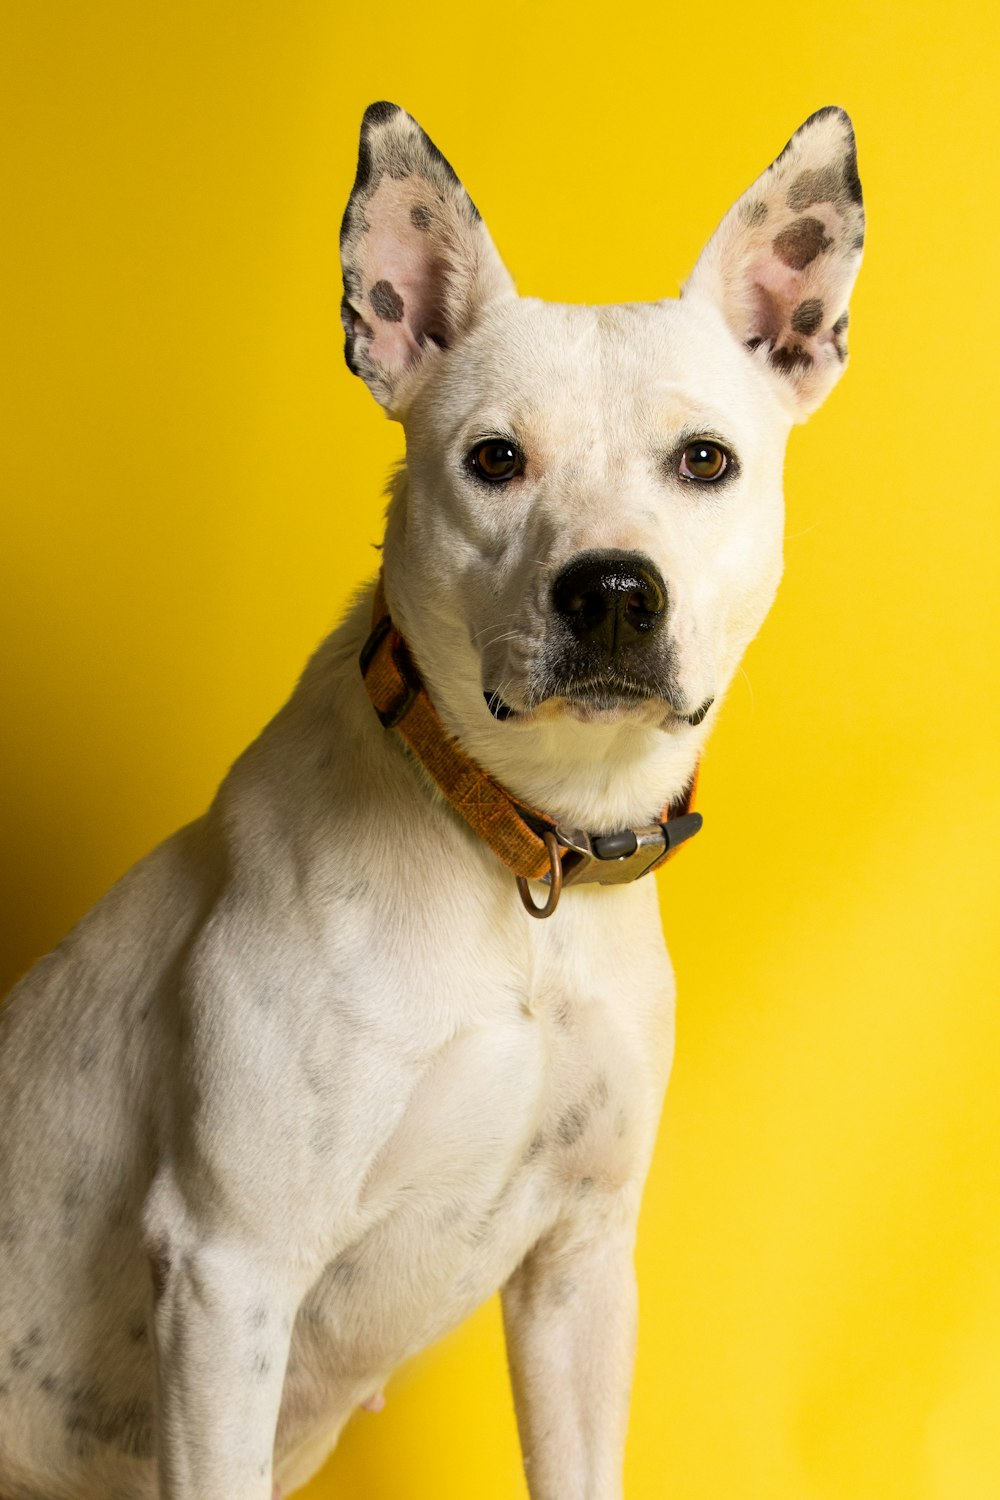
(191,484)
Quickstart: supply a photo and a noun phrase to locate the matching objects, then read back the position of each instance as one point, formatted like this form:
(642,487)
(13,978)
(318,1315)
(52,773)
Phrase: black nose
(608,599)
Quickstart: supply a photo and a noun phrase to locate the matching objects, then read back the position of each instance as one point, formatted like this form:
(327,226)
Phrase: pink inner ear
(792,299)
(401,269)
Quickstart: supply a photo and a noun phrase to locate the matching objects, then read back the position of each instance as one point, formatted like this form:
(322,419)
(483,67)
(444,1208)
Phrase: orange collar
(527,841)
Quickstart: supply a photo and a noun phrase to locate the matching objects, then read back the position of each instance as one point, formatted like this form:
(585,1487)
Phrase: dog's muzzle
(531,844)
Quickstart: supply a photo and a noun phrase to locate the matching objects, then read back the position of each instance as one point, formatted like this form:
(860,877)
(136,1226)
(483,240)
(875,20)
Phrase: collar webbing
(521,837)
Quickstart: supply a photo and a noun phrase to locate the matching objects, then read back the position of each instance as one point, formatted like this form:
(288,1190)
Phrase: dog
(389,1028)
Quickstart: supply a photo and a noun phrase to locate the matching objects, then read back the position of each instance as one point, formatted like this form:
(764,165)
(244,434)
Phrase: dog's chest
(544,1106)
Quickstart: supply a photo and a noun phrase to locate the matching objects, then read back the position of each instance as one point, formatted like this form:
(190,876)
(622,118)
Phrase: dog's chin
(612,708)
(599,704)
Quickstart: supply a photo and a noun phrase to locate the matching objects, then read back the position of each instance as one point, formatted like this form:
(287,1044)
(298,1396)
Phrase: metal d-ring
(555,882)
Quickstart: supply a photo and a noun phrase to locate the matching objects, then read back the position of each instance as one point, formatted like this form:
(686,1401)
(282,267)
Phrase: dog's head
(587,531)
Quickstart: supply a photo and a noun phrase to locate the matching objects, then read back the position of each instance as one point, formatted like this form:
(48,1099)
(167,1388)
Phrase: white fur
(310,1061)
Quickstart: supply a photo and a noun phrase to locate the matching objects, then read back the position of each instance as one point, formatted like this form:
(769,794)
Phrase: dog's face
(588,527)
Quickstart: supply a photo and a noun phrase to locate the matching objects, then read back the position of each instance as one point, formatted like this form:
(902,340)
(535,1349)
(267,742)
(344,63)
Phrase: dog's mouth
(598,700)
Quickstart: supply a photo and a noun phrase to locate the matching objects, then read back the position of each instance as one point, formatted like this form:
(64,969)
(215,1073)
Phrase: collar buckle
(579,858)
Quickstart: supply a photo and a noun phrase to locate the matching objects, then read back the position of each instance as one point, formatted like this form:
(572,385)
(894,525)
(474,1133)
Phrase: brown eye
(703,460)
(496,461)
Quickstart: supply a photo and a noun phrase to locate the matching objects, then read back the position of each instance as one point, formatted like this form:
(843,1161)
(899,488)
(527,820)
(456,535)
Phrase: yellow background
(191,484)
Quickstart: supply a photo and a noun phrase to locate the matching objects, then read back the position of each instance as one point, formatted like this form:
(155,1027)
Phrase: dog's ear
(782,263)
(418,261)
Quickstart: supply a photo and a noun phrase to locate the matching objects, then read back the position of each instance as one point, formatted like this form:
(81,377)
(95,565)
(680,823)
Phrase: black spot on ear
(789,360)
(347,318)
(808,316)
(441,160)
(816,185)
(421,216)
(379,113)
(386,302)
(799,244)
(852,182)
(839,341)
(363,175)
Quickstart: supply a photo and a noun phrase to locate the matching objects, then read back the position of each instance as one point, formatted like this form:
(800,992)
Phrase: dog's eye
(703,460)
(496,461)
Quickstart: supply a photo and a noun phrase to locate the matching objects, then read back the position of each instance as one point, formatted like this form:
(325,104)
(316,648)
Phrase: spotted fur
(418,263)
(782,263)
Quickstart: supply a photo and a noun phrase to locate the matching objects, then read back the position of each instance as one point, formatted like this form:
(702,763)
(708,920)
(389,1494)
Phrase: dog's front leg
(569,1316)
(222,1328)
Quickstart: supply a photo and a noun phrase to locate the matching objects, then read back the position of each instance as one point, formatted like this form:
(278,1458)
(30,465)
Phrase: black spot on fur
(344,1272)
(534,1146)
(137,1330)
(379,113)
(808,316)
(852,182)
(421,216)
(347,318)
(439,158)
(261,1365)
(363,174)
(386,302)
(755,342)
(126,1425)
(755,213)
(799,244)
(791,359)
(48,1384)
(858,242)
(572,1125)
(839,341)
(815,185)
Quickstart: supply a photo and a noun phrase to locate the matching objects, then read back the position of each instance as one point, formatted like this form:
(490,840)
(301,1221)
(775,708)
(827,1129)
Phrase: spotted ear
(418,262)
(782,263)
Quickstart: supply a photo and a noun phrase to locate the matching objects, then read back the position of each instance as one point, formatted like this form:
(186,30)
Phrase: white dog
(309,1084)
